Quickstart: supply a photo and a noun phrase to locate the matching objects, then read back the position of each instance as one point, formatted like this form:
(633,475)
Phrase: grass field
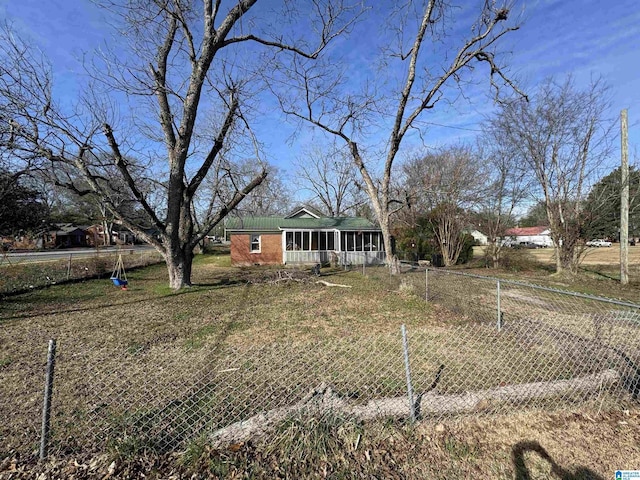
(247,309)
(599,271)
(594,255)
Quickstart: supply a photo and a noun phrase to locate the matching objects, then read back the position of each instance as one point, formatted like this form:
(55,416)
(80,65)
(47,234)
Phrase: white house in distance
(540,235)
(479,237)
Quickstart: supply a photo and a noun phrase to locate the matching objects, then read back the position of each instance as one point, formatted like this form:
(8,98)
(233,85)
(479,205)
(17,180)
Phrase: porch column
(284,247)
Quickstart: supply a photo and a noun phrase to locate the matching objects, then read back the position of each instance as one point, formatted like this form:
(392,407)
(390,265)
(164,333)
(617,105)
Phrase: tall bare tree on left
(185,70)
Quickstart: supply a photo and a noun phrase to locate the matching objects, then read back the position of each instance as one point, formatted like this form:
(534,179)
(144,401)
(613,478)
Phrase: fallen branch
(328,284)
(323,400)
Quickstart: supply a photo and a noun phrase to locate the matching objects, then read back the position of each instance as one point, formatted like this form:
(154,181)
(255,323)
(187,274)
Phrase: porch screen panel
(323,240)
(314,240)
(331,241)
(359,241)
(375,241)
(289,240)
(350,241)
(298,241)
(305,241)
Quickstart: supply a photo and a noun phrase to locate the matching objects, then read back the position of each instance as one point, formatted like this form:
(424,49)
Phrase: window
(255,243)
(323,240)
(331,239)
(372,242)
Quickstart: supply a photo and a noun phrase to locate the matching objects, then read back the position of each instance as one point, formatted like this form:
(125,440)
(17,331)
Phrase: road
(50,256)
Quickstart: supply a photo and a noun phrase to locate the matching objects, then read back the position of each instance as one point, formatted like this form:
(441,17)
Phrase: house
(540,235)
(305,236)
(68,235)
(478,237)
(96,236)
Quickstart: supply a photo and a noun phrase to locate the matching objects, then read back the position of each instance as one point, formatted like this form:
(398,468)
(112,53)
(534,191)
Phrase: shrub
(518,260)
(466,255)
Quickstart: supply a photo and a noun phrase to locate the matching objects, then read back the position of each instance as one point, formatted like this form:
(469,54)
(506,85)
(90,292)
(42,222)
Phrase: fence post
(69,266)
(48,391)
(499,321)
(407,368)
(426,285)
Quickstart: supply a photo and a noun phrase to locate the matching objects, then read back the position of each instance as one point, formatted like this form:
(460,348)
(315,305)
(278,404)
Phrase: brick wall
(270,249)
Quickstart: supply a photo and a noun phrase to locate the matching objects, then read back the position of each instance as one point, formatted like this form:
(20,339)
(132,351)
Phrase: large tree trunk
(323,400)
(179,261)
(392,259)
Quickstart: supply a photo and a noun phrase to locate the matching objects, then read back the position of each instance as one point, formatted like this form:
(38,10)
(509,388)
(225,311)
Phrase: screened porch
(318,246)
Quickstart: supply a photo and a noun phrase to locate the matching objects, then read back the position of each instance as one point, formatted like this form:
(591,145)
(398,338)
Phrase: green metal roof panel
(278,223)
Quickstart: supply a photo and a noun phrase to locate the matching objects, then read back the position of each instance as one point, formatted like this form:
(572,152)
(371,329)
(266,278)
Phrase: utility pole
(624,199)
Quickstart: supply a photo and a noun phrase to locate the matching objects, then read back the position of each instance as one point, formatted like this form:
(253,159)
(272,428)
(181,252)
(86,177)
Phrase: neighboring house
(479,237)
(96,235)
(540,235)
(68,235)
(123,235)
(304,237)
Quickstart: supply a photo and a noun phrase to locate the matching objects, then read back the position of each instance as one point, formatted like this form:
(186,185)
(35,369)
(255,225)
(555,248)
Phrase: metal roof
(521,231)
(275,224)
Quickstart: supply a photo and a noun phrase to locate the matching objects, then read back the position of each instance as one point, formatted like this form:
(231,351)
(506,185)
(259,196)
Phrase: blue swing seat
(118,282)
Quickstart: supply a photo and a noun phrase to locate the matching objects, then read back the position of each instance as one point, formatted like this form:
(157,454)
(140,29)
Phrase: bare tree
(330,177)
(507,186)
(422,38)
(562,137)
(272,197)
(176,61)
(445,186)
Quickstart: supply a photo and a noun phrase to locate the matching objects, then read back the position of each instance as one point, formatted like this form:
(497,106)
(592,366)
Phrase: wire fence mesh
(509,347)
(22,273)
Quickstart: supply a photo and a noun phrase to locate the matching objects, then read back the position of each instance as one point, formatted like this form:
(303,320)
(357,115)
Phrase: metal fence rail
(493,349)
(19,275)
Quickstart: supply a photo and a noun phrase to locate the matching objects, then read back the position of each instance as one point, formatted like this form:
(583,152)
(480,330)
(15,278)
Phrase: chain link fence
(20,275)
(497,346)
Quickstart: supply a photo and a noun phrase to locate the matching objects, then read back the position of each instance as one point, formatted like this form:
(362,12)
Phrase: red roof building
(522,231)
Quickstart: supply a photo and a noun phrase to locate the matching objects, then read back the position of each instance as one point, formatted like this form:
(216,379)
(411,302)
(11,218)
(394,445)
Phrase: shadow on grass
(199,288)
(522,472)
(601,273)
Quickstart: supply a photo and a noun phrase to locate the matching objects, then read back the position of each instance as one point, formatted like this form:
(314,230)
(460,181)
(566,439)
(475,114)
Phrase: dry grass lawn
(244,309)
(594,255)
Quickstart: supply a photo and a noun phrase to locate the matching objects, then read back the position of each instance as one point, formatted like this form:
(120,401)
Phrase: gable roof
(305,211)
(68,228)
(522,231)
(276,224)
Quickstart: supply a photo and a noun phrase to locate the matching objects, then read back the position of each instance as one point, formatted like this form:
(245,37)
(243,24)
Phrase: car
(598,242)
(529,245)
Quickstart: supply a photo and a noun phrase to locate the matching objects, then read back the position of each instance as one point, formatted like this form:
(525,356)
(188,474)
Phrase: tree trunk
(392,260)
(557,250)
(179,261)
(106,233)
(494,252)
(322,401)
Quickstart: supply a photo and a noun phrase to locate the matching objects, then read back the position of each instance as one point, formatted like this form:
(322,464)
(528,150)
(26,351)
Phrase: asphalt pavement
(52,255)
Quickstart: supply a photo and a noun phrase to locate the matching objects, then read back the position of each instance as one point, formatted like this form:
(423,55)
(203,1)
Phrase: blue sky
(583,37)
